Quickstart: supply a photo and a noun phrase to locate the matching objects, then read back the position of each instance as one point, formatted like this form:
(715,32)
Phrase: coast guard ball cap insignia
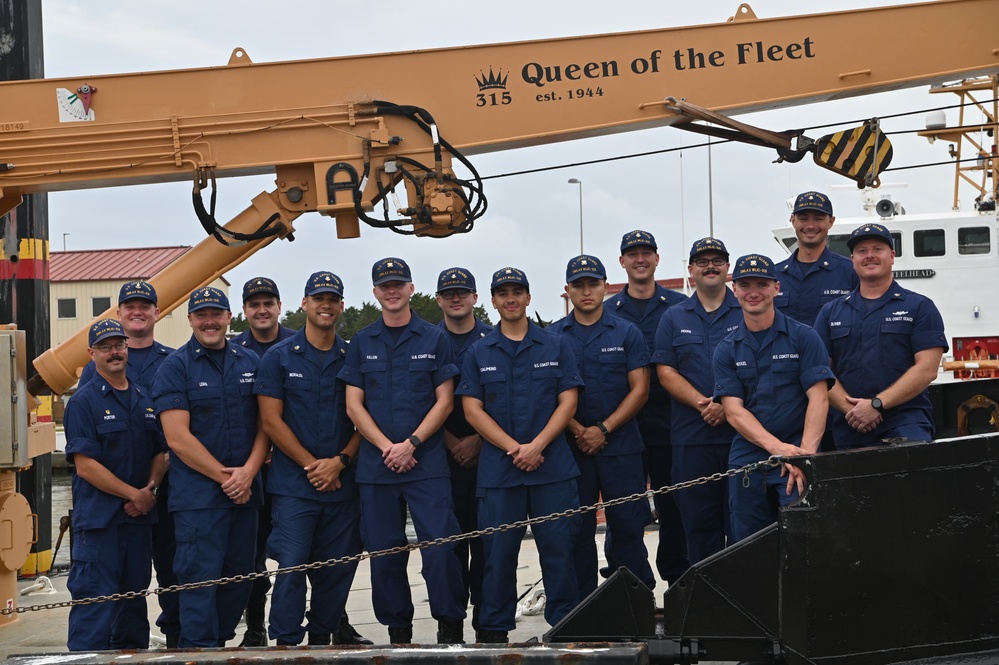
(509,276)
(105,329)
(207,296)
(813,201)
(638,239)
(868,231)
(323,282)
(138,289)
(754,265)
(260,285)
(584,266)
(708,245)
(390,270)
(455,278)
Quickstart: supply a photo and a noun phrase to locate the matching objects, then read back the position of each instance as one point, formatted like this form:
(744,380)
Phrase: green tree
(295,320)
(354,319)
(238,323)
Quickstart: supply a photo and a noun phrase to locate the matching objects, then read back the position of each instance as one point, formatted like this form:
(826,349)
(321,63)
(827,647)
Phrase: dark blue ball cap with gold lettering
(754,265)
(323,282)
(582,266)
(455,278)
(813,201)
(509,275)
(137,289)
(390,269)
(868,232)
(207,296)
(259,285)
(638,238)
(105,329)
(707,245)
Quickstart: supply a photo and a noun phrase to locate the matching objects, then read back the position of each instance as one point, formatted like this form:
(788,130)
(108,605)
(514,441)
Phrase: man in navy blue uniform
(613,360)
(456,296)
(643,302)
(204,397)
(813,275)
(117,451)
(315,507)
(519,388)
(138,313)
(885,344)
(772,377)
(685,343)
(400,375)
(262,309)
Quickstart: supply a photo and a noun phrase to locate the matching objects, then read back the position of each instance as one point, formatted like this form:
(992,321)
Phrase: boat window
(929,243)
(974,240)
(837,243)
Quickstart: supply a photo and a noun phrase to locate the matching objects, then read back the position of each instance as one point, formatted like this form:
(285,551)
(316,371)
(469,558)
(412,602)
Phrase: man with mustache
(204,397)
(885,344)
(116,448)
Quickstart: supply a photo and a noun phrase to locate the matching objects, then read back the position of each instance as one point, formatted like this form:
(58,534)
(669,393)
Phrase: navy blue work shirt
(124,439)
(614,348)
(399,380)
(872,346)
(223,412)
(519,384)
(248,341)
(314,408)
(456,423)
(803,293)
(686,341)
(141,367)
(656,412)
(771,378)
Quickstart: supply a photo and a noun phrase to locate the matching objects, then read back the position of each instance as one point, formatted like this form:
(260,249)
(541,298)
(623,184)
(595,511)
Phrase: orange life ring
(976,402)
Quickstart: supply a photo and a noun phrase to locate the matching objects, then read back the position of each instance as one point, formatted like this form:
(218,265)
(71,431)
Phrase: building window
(66,308)
(974,240)
(929,243)
(837,243)
(100,305)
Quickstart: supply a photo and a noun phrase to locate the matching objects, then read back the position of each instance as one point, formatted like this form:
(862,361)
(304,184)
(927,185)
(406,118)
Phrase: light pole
(575,181)
(64,241)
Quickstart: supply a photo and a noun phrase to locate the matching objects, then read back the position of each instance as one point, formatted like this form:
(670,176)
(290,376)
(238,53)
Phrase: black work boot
(492,637)
(256,634)
(319,639)
(401,635)
(346,634)
(450,632)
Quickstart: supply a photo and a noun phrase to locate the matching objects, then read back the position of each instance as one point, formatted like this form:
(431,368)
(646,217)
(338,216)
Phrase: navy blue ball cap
(584,266)
(138,289)
(754,265)
(105,329)
(455,278)
(259,285)
(708,245)
(638,238)
(869,231)
(323,282)
(207,296)
(390,269)
(509,276)
(813,201)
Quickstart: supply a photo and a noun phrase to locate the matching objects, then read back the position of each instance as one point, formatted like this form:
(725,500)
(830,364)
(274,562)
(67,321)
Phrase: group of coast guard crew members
(469,427)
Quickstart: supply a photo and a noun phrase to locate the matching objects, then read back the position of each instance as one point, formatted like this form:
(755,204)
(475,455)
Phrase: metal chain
(773,461)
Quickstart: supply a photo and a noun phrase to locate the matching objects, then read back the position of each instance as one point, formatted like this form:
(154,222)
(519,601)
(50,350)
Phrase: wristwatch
(345,458)
(878,405)
(603,428)
(415,440)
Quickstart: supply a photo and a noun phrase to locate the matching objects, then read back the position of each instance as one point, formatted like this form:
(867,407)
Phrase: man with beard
(116,448)
(315,507)
(204,397)
(885,345)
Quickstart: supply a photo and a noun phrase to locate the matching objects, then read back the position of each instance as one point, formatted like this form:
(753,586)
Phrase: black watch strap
(415,440)
(345,458)
(878,404)
(603,428)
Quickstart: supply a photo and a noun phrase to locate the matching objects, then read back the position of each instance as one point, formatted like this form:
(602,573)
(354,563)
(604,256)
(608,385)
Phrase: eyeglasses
(717,261)
(117,346)
(455,293)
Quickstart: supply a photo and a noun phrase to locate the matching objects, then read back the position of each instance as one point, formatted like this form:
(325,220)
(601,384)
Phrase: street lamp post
(64,241)
(575,181)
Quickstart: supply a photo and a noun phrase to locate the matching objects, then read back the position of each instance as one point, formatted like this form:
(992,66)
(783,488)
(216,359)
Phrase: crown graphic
(491,80)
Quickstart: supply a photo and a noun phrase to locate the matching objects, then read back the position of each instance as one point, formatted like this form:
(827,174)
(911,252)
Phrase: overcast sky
(533,220)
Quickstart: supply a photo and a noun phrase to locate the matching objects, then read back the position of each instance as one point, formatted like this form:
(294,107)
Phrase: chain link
(773,461)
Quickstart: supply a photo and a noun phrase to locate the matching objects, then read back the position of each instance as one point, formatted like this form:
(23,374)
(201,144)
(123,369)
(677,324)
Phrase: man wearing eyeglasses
(457,297)
(116,448)
(203,394)
(138,313)
(885,344)
(643,302)
(685,343)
